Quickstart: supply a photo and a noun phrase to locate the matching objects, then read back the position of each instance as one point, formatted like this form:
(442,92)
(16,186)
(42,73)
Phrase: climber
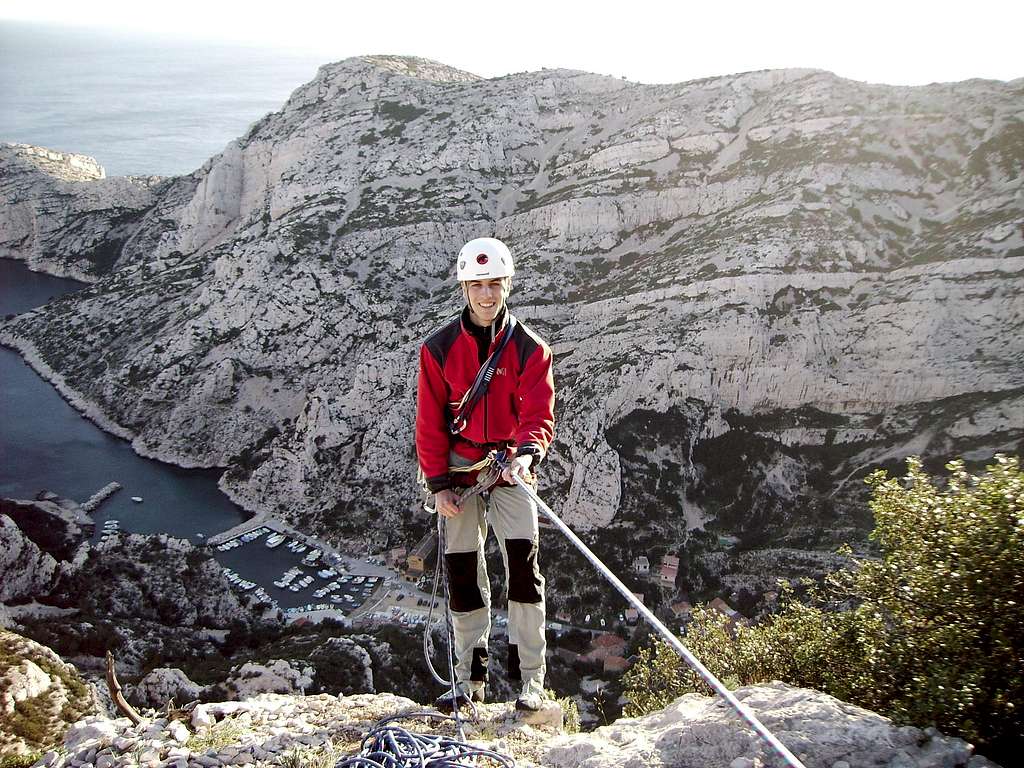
(461,416)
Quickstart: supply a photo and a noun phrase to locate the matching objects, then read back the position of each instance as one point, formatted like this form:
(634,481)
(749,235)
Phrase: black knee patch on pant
(513,662)
(478,671)
(524,581)
(463,588)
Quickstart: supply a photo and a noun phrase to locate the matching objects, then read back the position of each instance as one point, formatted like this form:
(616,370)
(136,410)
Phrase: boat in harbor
(137,499)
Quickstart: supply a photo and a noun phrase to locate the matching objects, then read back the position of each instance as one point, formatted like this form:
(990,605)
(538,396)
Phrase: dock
(243,528)
(100,496)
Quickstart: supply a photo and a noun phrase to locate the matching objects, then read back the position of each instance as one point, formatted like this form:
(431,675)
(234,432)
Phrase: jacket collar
(490,333)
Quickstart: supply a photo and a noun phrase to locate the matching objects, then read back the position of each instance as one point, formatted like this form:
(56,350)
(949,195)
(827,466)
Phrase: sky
(894,42)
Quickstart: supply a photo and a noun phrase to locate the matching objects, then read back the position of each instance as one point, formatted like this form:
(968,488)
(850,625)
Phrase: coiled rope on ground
(391,746)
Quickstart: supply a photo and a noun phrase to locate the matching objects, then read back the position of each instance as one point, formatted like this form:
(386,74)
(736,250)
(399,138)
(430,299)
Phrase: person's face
(485,298)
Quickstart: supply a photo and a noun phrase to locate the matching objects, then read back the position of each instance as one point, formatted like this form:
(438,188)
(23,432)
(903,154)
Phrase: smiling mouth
(487,306)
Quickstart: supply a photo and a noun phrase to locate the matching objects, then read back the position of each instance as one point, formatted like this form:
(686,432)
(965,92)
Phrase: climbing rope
(487,477)
(741,709)
(391,746)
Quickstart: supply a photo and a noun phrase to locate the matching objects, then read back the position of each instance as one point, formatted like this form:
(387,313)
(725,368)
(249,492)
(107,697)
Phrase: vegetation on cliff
(931,632)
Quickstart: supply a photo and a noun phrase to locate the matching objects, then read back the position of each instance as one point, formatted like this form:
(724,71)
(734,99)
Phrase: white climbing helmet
(484,258)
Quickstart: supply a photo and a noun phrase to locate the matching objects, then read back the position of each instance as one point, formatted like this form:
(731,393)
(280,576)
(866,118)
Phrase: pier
(100,496)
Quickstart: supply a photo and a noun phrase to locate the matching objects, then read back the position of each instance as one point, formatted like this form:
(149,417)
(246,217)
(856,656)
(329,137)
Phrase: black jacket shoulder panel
(527,342)
(440,341)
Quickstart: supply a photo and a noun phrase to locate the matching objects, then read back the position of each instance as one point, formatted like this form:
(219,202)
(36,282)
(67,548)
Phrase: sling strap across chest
(462,410)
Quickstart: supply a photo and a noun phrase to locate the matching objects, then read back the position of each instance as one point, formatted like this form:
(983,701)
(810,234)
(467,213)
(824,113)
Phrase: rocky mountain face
(28,571)
(144,597)
(757,288)
(41,541)
(75,225)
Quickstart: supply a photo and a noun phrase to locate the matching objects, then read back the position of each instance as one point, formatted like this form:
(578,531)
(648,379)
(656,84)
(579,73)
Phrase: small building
(718,604)
(730,613)
(631,614)
(642,565)
(682,609)
(396,556)
(667,574)
(615,665)
(423,555)
(604,646)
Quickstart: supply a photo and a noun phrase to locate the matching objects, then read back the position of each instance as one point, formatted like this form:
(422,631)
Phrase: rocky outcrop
(40,696)
(272,729)
(56,525)
(61,214)
(275,676)
(25,570)
(160,686)
(158,579)
(148,597)
(819,729)
(757,287)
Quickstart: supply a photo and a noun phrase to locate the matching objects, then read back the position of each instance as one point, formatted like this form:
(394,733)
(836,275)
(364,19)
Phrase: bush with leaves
(931,632)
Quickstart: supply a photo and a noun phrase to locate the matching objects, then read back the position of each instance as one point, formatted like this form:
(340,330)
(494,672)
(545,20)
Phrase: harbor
(47,443)
(300,576)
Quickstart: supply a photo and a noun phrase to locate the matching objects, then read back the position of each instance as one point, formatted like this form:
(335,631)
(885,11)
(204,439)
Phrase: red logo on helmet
(481,258)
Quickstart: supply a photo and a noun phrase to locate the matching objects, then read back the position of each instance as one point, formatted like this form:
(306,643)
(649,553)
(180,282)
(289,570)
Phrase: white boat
(137,499)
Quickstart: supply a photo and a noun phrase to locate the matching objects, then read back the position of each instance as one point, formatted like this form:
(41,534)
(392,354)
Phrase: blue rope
(391,746)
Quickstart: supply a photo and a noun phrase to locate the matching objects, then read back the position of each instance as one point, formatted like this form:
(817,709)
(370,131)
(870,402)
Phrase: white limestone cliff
(782,272)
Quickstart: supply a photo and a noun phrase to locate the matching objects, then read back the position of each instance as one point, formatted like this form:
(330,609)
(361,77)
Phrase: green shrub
(19,761)
(929,633)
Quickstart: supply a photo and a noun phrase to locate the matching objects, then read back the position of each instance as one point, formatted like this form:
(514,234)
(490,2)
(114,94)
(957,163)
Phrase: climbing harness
(741,709)
(462,409)
(391,746)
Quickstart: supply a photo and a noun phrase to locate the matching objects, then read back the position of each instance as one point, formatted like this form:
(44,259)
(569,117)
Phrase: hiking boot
(464,693)
(532,697)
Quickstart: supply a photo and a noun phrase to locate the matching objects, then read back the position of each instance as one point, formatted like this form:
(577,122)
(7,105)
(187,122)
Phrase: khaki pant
(513,516)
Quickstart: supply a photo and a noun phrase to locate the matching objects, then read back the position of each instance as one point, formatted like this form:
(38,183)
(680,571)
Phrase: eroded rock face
(757,288)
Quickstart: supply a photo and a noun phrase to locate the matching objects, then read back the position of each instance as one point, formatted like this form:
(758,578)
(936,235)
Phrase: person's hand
(519,466)
(446,503)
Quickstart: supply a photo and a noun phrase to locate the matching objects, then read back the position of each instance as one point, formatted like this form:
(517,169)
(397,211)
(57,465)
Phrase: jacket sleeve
(432,441)
(536,397)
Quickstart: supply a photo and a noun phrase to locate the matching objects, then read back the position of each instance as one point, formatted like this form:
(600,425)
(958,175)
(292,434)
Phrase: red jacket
(517,410)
